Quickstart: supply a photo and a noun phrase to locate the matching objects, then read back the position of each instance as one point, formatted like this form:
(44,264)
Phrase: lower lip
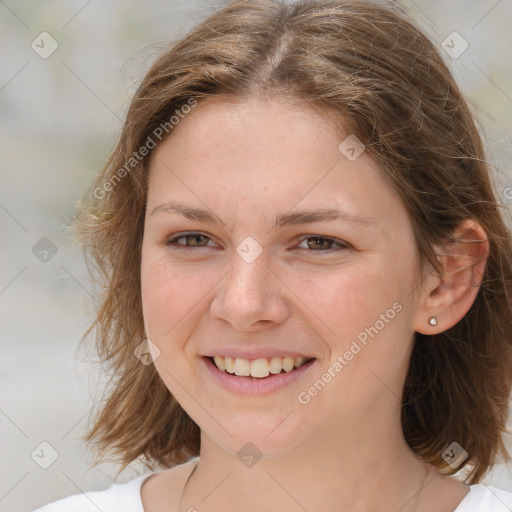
(254,385)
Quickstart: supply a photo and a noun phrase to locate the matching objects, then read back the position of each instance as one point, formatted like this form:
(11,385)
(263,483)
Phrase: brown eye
(196,240)
(191,240)
(321,244)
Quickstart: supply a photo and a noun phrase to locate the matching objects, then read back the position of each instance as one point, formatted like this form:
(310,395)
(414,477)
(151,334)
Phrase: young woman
(308,274)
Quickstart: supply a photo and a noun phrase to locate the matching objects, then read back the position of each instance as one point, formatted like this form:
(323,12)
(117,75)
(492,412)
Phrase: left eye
(322,243)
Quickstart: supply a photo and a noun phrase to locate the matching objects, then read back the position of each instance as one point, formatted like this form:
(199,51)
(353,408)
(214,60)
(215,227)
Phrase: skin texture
(248,161)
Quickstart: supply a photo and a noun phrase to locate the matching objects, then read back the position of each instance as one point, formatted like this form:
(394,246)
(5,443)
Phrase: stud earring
(433,320)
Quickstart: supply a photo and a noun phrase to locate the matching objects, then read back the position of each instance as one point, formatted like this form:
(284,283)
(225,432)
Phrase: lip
(254,385)
(256,353)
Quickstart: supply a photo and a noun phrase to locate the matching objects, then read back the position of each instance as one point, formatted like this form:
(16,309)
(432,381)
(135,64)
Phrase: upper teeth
(257,367)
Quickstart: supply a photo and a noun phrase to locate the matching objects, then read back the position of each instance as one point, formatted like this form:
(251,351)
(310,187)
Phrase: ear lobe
(451,295)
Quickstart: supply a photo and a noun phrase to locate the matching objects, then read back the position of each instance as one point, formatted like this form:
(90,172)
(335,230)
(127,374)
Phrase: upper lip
(255,352)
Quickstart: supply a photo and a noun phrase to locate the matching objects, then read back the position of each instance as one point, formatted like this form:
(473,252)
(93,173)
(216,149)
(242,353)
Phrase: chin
(265,434)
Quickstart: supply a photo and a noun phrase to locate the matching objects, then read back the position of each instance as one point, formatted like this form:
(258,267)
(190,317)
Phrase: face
(263,281)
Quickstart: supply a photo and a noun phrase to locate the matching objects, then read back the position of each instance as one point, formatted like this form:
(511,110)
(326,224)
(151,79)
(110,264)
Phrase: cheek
(160,289)
(345,300)
(167,295)
(174,299)
(374,327)
(361,313)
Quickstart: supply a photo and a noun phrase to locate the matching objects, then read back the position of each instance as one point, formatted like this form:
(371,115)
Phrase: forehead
(267,154)
(251,129)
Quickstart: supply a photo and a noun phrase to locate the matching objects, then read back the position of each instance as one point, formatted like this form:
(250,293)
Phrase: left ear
(450,296)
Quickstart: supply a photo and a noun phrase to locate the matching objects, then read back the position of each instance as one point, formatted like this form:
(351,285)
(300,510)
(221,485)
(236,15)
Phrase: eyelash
(171,242)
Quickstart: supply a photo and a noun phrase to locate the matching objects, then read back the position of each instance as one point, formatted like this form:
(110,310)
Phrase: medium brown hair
(373,67)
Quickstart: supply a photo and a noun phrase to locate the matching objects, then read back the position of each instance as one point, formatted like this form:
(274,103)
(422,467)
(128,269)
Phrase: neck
(365,472)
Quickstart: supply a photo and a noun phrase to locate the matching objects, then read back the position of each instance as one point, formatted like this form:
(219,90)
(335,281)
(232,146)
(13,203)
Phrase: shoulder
(483,498)
(124,497)
(166,486)
(137,495)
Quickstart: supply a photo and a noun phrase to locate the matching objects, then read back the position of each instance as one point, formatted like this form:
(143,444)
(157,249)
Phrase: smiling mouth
(258,368)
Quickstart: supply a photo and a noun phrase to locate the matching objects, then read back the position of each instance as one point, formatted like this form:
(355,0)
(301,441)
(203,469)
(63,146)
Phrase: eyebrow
(281,220)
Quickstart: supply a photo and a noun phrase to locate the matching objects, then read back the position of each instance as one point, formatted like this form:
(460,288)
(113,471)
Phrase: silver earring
(433,320)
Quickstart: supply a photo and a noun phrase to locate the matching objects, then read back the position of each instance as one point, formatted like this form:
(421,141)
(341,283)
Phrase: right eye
(194,238)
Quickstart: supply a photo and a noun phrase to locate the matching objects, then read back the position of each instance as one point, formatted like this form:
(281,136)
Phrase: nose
(250,296)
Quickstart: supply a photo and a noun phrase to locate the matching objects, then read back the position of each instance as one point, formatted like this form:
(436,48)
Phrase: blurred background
(67,72)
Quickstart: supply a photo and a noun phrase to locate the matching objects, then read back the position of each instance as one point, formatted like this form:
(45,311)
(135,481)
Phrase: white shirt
(126,497)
